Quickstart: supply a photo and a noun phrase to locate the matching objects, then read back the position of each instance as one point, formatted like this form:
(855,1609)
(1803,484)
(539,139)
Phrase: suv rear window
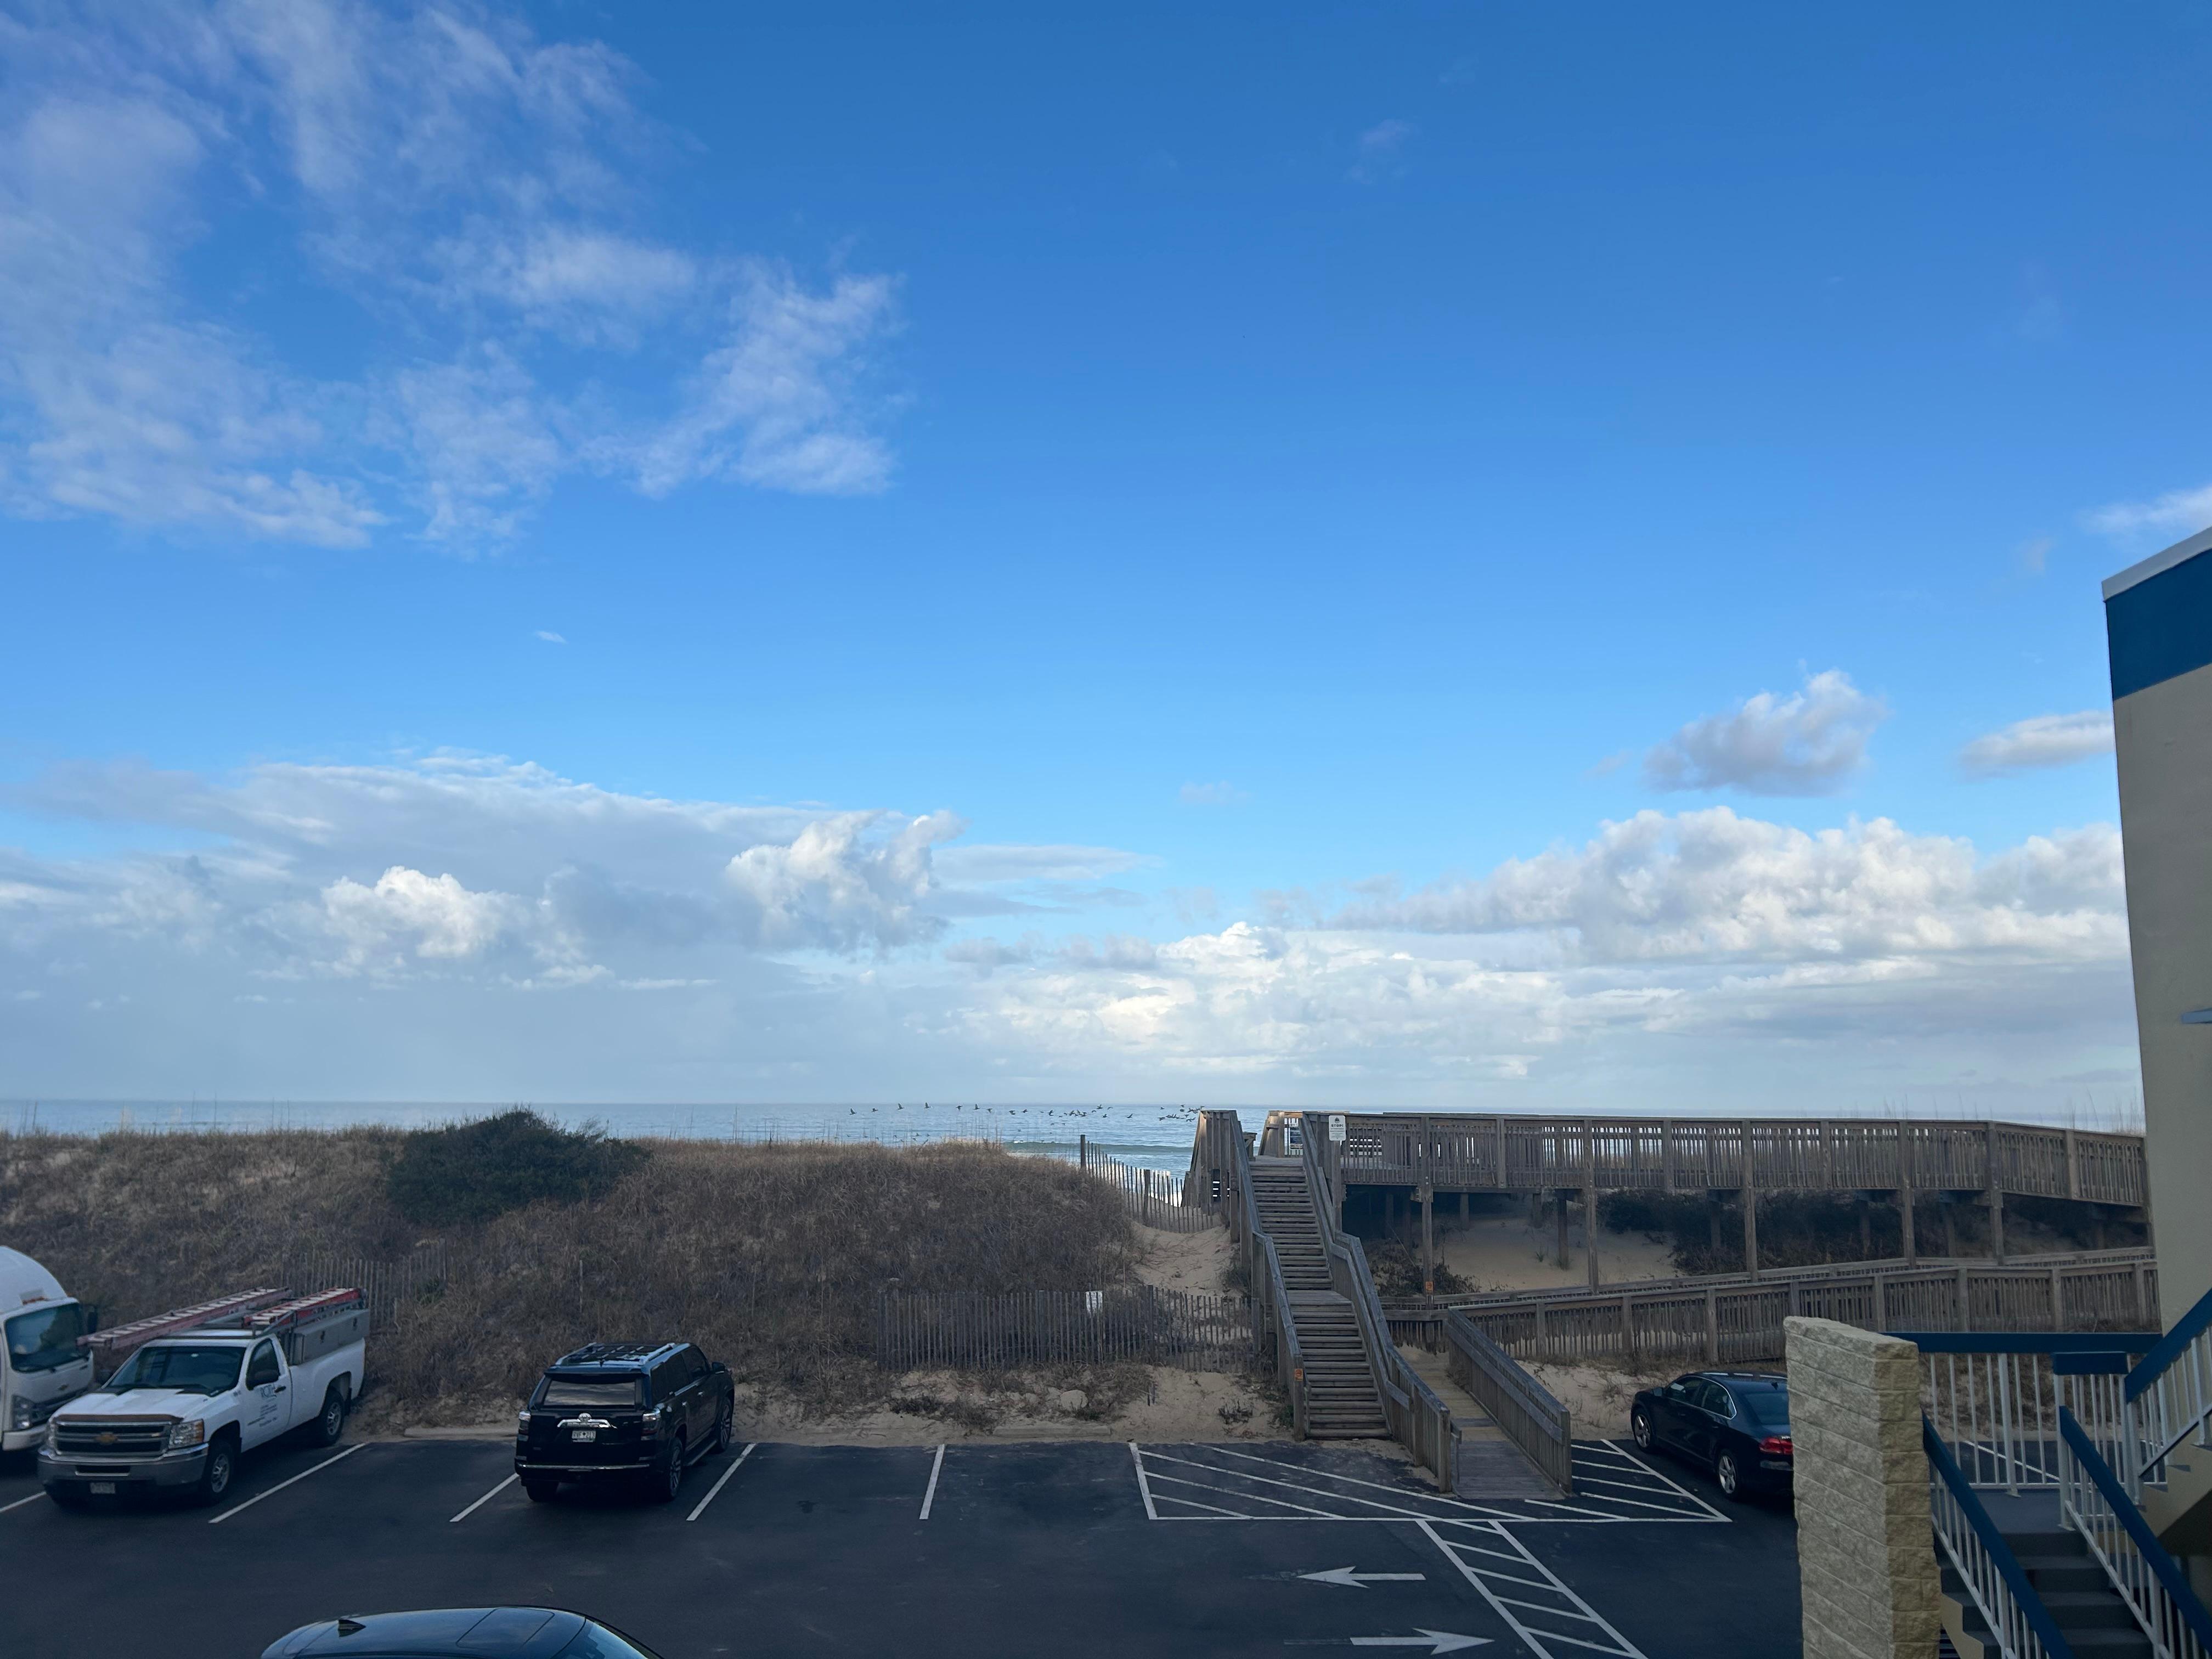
(588,1391)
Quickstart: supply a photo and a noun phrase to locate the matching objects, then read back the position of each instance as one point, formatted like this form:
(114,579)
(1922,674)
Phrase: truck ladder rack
(287,1315)
(109,1347)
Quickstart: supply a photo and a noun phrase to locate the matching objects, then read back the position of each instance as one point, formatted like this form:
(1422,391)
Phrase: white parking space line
(1138,1458)
(239,1508)
(20,1502)
(936,1467)
(714,1491)
(485,1499)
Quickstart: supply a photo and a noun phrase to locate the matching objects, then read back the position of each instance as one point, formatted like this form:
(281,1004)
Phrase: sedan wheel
(1731,1478)
(1640,1425)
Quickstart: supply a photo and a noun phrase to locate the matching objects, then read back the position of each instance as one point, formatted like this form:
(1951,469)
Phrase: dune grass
(770,1257)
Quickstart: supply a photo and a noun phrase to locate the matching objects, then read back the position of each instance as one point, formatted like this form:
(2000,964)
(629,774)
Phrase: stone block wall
(1866,1552)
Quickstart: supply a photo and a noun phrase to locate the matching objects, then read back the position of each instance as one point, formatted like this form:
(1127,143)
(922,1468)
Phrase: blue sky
(1157,554)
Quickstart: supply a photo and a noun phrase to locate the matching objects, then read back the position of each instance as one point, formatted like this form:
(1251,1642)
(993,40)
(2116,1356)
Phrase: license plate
(104,1486)
(583,1434)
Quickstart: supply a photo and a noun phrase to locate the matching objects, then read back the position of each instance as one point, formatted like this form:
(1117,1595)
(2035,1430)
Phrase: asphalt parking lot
(1074,1548)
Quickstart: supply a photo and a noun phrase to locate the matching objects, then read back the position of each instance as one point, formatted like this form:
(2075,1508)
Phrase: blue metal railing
(2153,1584)
(1994,1577)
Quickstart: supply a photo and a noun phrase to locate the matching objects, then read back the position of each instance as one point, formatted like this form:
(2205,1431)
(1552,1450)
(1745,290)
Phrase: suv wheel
(721,1432)
(1730,1477)
(1640,1426)
(670,1480)
(541,1490)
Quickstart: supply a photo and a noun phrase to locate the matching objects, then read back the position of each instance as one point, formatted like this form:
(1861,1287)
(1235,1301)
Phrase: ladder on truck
(304,1310)
(268,1311)
(110,1348)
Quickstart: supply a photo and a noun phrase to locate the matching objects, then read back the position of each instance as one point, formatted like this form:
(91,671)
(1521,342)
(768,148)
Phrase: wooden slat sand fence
(392,1287)
(1153,1197)
(967,1330)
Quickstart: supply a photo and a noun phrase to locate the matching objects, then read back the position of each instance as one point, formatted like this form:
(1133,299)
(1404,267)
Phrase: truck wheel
(669,1481)
(215,1479)
(331,1423)
(68,1498)
(721,1432)
(541,1491)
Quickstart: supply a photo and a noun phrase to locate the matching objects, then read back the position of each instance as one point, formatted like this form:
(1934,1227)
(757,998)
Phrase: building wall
(2160,632)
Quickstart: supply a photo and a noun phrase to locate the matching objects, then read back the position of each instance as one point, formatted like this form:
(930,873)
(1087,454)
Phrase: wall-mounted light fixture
(2197,1017)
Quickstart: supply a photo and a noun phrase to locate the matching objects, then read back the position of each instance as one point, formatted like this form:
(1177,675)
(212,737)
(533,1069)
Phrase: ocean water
(1155,1137)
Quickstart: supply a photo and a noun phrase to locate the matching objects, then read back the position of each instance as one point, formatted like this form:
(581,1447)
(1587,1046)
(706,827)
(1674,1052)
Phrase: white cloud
(777,404)
(1711,886)
(1212,794)
(2176,513)
(483,443)
(846,880)
(2041,741)
(550,637)
(1376,153)
(408,912)
(474,928)
(471,191)
(1688,960)
(1812,742)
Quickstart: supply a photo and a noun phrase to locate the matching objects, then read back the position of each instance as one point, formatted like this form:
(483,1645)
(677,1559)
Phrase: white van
(40,1363)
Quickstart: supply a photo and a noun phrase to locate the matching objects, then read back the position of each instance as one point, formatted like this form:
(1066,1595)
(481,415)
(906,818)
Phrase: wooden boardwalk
(1460,1152)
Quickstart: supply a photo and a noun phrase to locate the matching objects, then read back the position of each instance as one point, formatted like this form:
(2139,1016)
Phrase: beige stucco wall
(1866,1556)
(2164,736)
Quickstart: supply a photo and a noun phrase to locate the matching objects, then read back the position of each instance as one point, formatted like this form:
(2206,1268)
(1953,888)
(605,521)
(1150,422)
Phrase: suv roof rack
(615,1353)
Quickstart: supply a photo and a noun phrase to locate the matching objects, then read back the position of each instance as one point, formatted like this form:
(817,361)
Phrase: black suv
(637,1411)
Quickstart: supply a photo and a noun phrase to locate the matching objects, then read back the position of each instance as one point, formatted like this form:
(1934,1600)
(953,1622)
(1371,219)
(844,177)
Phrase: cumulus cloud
(328,869)
(465,926)
(2176,513)
(2041,741)
(408,912)
(470,190)
(850,879)
(1711,886)
(1812,742)
(1676,957)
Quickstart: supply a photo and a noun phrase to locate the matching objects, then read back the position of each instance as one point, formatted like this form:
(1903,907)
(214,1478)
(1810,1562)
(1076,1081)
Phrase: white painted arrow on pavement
(1361,1580)
(1435,1641)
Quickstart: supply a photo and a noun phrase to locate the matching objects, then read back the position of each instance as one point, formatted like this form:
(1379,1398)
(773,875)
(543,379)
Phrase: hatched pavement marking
(1234,1482)
(1541,1603)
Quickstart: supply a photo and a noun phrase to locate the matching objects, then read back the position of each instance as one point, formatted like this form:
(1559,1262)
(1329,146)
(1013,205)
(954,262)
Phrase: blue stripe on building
(2161,628)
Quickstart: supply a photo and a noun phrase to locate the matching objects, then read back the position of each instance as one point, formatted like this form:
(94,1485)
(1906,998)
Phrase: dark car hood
(493,1632)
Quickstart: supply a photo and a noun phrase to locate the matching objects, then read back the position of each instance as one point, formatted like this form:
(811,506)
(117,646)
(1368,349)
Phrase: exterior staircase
(2074,1589)
(1342,1401)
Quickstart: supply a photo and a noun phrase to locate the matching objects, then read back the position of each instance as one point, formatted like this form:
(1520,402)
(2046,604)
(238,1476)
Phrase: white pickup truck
(186,1404)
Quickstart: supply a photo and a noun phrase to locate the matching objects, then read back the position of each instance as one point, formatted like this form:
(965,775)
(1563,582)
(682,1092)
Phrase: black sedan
(1735,1423)
(459,1633)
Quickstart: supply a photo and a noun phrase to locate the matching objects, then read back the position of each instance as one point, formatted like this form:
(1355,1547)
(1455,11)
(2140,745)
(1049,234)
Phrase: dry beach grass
(770,1256)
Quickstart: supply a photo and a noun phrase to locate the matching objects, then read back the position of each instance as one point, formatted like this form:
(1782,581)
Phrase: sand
(1187,1262)
(1505,1253)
